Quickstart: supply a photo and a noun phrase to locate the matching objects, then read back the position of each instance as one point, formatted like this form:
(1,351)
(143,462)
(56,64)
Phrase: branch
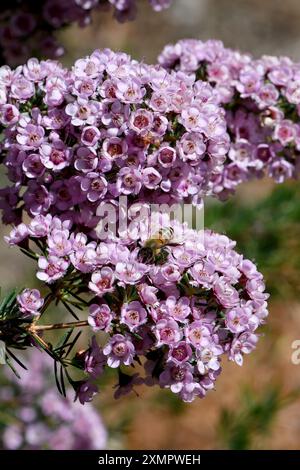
(58,326)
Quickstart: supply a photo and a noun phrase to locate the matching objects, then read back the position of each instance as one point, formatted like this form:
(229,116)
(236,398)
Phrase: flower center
(119,349)
(129,181)
(115,149)
(134,316)
(103,283)
(167,334)
(97,184)
(180,353)
(57,156)
(177,374)
(141,121)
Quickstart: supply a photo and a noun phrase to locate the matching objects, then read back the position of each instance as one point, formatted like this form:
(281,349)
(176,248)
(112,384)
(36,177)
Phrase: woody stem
(59,326)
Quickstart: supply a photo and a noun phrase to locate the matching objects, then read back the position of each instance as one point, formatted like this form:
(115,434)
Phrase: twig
(58,326)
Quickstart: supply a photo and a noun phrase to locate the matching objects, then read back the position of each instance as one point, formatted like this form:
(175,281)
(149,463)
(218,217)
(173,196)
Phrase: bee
(155,249)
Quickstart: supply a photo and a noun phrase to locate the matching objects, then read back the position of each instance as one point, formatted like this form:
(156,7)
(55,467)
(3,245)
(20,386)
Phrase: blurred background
(258,405)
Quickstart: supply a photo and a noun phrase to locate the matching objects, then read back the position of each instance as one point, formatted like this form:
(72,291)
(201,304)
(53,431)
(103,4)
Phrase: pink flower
(280,75)
(90,135)
(202,272)
(30,136)
(33,166)
(35,70)
(249,82)
(37,198)
(51,269)
(256,289)
(30,301)
(166,156)
(293,92)
(114,147)
(17,235)
(193,120)
(129,91)
(267,95)
(191,390)
(197,334)
(148,294)
(56,89)
(119,350)
(62,192)
(84,87)
(130,272)
(102,281)
(59,244)
(158,102)
(208,358)
(281,170)
(191,147)
(141,121)
(84,258)
(100,317)
(86,391)
(179,309)
(226,294)
(55,156)
(94,360)
(129,181)
(285,132)
(151,178)
(180,353)
(83,112)
(171,272)
(86,160)
(243,344)
(94,185)
(40,225)
(175,376)
(167,332)
(9,114)
(22,89)
(133,315)
(239,319)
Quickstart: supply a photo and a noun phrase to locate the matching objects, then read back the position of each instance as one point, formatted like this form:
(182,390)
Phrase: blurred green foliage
(251,421)
(169,401)
(268,232)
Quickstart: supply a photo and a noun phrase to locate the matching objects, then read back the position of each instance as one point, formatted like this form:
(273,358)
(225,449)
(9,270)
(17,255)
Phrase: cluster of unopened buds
(27,28)
(166,308)
(109,127)
(262,102)
(41,419)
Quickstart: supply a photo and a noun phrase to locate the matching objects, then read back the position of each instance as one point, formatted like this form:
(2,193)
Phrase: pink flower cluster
(110,126)
(262,102)
(171,304)
(27,28)
(177,310)
(39,419)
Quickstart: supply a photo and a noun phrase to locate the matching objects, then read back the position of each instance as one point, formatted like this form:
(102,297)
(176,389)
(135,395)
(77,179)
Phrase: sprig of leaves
(239,428)
(13,331)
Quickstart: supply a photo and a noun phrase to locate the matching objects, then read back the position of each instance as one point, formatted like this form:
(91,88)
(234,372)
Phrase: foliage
(247,425)
(268,232)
